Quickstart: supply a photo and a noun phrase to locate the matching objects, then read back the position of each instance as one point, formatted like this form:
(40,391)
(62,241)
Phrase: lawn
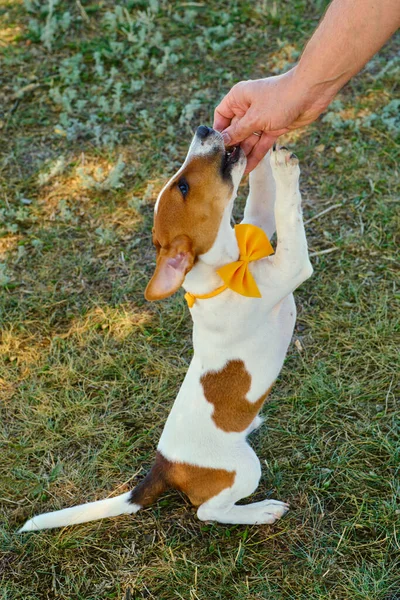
(98,102)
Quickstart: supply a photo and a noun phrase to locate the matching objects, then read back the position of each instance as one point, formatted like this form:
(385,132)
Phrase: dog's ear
(171,268)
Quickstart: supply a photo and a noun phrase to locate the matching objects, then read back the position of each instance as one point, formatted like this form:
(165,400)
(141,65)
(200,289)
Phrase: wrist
(314,91)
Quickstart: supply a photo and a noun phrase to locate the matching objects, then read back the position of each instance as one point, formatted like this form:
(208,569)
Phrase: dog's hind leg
(222,508)
(260,202)
(257,513)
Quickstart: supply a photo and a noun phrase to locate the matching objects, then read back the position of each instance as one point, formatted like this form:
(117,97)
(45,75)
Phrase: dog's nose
(203,132)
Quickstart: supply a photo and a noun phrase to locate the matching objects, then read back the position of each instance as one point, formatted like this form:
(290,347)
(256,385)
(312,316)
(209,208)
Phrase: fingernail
(227,138)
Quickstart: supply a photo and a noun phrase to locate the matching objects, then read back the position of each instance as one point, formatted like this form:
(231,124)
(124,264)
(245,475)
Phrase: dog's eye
(183,186)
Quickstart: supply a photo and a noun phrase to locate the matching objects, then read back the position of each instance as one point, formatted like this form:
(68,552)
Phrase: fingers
(240,130)
(232,105)
(233,116)
(259,150)
(225,112)
(222,121)
(248,144)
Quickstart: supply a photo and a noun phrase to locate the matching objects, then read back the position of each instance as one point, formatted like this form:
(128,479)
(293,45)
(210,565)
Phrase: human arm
(351,32)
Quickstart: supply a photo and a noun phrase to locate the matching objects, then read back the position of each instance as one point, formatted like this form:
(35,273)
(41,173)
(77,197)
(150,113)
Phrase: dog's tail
(144,494)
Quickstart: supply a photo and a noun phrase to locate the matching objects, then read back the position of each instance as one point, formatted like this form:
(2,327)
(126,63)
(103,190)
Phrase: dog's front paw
(284,164)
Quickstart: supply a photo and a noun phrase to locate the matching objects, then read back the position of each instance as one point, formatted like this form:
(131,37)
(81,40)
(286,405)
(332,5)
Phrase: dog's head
(190,207)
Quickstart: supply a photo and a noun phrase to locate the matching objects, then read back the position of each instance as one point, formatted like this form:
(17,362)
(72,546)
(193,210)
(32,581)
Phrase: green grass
(89,369)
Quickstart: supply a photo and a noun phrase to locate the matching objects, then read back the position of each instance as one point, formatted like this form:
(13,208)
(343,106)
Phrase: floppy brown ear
(171,268)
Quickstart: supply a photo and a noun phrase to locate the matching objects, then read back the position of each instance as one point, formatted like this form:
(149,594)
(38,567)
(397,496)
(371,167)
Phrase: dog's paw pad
(282,159)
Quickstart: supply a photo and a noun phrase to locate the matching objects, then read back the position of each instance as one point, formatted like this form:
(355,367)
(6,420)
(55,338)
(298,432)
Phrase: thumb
(239,130)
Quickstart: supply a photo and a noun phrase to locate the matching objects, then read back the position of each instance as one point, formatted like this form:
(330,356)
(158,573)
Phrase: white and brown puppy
(239,342)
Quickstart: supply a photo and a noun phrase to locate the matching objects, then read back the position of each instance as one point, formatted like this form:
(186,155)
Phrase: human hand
(270,106)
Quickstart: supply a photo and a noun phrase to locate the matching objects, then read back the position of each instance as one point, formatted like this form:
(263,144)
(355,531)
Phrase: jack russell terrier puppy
(243,311)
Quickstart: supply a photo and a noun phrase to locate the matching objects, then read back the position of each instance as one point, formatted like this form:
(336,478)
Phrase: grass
(89,370)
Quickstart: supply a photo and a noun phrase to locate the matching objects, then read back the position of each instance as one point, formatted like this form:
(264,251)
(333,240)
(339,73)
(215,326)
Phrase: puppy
(240,299)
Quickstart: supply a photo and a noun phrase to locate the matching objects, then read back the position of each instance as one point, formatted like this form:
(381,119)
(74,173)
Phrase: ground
(98,103)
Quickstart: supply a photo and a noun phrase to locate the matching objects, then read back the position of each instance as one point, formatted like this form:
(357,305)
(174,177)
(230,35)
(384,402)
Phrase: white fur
(230,327)
(92,511)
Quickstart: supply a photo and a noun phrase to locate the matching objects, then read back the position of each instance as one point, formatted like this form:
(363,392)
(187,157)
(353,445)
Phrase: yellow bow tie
(253,245)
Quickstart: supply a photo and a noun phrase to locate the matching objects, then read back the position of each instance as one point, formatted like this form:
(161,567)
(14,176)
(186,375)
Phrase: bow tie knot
(253,245)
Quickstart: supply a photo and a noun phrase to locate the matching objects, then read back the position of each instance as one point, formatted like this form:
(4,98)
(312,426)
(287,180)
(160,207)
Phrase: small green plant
(4,278)
(50,22)
(100,182)
(56,167)
(386,118)
(16,217)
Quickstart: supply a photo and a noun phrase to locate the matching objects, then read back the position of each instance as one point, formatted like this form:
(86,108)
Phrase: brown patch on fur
(198,215)
(226,390)
(187,225)
(198,483)
(153,485)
